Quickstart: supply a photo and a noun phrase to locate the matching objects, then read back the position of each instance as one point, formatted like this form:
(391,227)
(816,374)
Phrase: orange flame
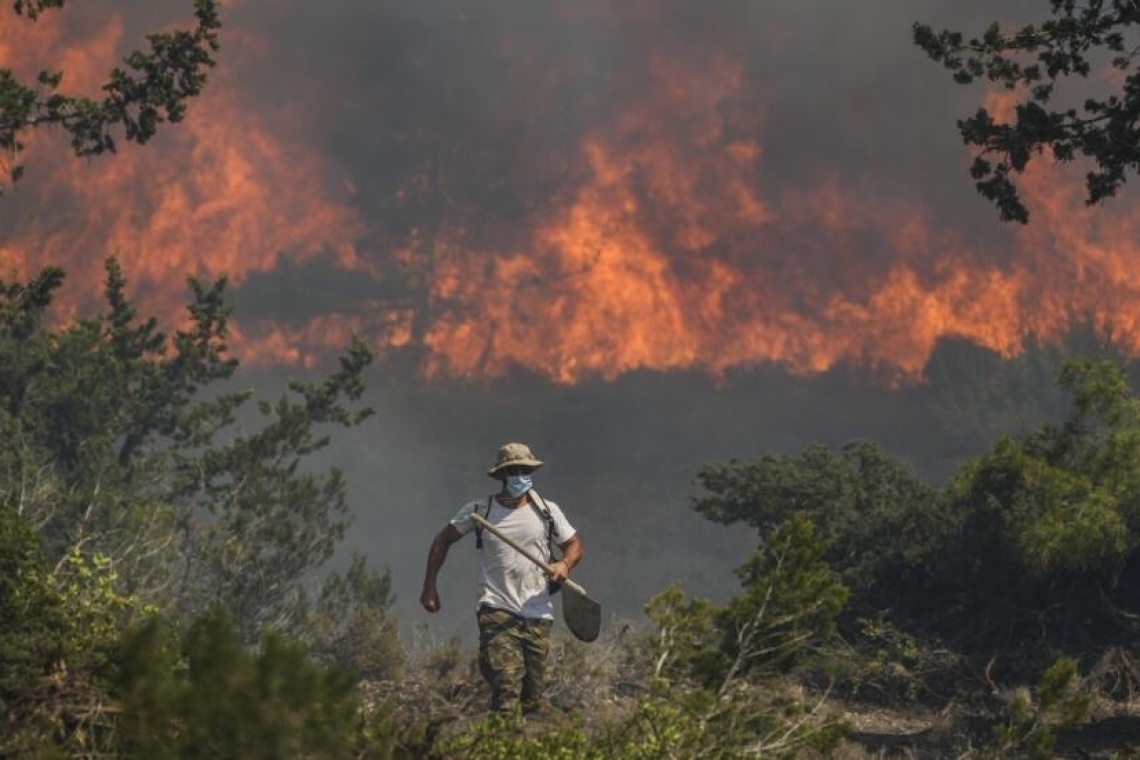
(669,259)
(670,254)
(221,195)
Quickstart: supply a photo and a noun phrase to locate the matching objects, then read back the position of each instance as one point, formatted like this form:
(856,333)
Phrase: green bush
(351,623)
(1031,725)
(58,633)
(31,645)
(717,668)
(677,725)
(789,602)
(206,695)
(880,522)
(31,614)
(1049,521)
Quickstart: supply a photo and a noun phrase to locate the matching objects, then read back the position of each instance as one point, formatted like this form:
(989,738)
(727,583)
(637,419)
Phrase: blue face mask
(517,485)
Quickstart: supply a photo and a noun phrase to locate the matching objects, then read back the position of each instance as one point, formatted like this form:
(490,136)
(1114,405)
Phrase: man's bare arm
(572,553)
(437,555)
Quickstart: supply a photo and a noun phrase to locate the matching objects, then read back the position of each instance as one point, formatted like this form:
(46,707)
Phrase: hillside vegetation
(161,532)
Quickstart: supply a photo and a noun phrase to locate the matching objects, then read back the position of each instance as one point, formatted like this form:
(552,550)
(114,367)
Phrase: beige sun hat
(514,455)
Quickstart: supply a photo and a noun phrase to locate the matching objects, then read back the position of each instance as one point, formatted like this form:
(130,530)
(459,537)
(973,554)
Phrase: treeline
(1030,550)
(155,524)
(161,533)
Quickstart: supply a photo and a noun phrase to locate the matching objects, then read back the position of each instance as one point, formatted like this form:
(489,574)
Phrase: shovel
(582,614)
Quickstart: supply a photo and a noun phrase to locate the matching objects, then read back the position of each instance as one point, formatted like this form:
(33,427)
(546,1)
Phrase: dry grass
(601,682)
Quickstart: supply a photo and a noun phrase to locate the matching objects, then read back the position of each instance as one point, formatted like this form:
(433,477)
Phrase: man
(515,610)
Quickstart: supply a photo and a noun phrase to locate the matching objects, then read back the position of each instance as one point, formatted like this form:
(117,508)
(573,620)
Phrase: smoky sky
(510,84)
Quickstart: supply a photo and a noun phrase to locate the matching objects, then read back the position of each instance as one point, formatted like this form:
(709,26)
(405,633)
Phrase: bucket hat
(514,455)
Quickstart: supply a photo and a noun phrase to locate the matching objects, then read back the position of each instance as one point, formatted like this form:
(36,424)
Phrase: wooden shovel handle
(526,553)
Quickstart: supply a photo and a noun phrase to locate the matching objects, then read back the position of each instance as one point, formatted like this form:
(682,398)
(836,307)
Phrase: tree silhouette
(153,87)
(1036,58)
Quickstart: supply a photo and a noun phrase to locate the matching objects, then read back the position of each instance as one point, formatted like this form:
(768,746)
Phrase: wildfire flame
(666,250)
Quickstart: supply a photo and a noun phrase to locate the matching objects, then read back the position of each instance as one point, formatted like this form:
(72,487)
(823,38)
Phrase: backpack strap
(539,505)
(478,527)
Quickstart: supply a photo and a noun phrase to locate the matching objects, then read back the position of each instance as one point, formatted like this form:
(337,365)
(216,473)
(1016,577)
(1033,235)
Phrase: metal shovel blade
(582,614)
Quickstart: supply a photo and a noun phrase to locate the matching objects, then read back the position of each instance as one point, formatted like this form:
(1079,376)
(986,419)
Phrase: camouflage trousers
(512,658)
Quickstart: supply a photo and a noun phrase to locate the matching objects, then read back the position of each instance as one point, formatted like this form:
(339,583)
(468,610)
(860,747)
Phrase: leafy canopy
(879,520)
(203,694)
(137,479)
(1074,41)
(1033,545)
(152,87)
(122,445)
(1049,522)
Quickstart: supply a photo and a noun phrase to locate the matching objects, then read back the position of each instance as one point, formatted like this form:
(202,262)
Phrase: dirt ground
(934,736)
(448,693)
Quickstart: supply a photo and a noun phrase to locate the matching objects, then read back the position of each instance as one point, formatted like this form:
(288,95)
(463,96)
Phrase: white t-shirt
(510,581)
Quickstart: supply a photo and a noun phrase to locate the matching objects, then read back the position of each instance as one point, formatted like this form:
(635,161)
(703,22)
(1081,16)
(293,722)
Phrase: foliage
(1031,549)
(1030,729)
(790,600)
(59,630)
(74,683)
(501,737)
(94,608)
(205,695)
(665,726)
(1050,520)
(880,663)
(718,663)
(30,617)
(881,522)
(122,448)
(130,487)
(153,88)
(351,623)
(686,640)
(1037,58)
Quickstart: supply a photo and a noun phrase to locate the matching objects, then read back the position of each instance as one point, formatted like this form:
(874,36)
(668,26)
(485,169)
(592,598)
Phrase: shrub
(1031,726)
(205,695)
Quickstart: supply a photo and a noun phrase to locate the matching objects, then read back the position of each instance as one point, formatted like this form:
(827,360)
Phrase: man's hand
(430,599)
(559,571)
